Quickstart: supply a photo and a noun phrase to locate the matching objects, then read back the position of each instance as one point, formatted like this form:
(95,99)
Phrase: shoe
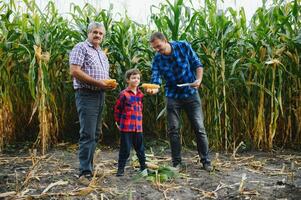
(207,167)
(120,172)
(180,167)
(143,173)
(85,179)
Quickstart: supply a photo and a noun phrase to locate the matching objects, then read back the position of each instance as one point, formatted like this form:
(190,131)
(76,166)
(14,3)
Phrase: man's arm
(199,77)
(155,77)
(79,74)
(196,65)
(193,58)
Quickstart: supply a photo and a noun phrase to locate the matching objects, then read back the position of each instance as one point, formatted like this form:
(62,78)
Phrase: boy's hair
(131,72)
(157,35)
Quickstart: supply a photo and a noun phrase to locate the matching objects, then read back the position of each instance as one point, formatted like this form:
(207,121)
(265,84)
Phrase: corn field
(251,89)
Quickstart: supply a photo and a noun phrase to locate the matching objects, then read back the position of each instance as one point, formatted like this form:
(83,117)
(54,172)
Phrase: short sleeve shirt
(92,61)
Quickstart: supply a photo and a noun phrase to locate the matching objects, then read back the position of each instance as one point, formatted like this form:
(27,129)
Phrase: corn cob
(150,86)
(111,82)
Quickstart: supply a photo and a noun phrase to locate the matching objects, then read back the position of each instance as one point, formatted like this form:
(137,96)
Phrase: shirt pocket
(182,62)
(89,60)
(183,67)
(128,107)
(165,70)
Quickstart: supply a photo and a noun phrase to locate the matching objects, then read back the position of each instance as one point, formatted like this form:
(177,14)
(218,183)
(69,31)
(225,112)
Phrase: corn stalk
(243,97)
(39,79)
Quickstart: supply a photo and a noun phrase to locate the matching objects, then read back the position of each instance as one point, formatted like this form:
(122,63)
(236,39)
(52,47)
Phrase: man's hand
(199,75)
(102,84)
(152,91)
(196,84)
(76,72)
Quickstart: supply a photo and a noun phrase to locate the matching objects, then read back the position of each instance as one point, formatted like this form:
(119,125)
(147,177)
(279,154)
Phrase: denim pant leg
(193,109)
(139,148)
(173,129)
(125,149)
(98,125)
(89,107)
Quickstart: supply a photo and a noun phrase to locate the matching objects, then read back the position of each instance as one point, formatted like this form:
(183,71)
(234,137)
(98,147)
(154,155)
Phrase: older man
(178,64)
(89,67)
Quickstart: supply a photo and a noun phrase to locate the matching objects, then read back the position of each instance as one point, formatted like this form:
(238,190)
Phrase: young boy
(128,116)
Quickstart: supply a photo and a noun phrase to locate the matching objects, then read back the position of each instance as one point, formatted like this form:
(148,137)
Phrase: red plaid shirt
(128,111)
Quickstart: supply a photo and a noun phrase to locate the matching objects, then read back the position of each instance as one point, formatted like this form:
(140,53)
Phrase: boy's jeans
(193,108)
(89,106)
(126,142)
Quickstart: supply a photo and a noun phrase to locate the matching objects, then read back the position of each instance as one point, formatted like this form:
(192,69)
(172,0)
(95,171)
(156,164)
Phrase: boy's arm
(118,108)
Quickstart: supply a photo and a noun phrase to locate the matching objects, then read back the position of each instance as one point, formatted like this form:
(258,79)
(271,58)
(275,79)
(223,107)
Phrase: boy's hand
(152,91)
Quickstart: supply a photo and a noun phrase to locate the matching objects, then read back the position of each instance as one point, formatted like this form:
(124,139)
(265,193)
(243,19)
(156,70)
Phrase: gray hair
(157,35)
(94,25)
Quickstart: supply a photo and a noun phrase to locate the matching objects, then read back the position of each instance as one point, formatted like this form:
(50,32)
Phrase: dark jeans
(126,142)
(193,108)
(89,106)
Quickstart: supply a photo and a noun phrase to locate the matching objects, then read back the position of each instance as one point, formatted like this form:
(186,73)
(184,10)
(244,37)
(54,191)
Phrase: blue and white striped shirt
(177,68)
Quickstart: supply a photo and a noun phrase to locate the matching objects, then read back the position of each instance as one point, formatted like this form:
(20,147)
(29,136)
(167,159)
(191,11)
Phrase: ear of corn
(150,86)
(111,82)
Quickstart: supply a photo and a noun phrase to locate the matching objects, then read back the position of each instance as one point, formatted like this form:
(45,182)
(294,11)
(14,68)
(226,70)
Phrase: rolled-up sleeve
(155,78)
(194,60)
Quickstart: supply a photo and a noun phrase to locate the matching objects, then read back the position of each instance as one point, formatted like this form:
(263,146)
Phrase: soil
(248,175)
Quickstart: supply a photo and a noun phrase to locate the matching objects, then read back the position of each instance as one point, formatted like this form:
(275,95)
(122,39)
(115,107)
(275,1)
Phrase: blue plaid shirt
(177,68)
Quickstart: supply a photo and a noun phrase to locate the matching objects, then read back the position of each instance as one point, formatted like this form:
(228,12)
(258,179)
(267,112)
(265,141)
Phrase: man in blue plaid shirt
(89,68)
(178,64)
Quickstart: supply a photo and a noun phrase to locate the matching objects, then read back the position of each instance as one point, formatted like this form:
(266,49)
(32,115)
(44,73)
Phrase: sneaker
(143,173)
(120,172)
(180,167)
(207,167)
(85,179)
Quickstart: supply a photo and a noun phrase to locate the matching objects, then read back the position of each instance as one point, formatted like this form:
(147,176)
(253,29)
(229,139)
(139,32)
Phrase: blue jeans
(126,142)
(89,106)
(193,108)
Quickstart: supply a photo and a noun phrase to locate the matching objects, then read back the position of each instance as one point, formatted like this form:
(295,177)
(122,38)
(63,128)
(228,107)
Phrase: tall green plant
(174,19)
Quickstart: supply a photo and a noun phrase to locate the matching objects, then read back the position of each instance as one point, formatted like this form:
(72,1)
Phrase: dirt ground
(252,175)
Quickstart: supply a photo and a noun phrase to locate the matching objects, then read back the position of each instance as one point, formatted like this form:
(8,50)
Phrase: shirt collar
(172,51)
(129,90)
(90,44)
